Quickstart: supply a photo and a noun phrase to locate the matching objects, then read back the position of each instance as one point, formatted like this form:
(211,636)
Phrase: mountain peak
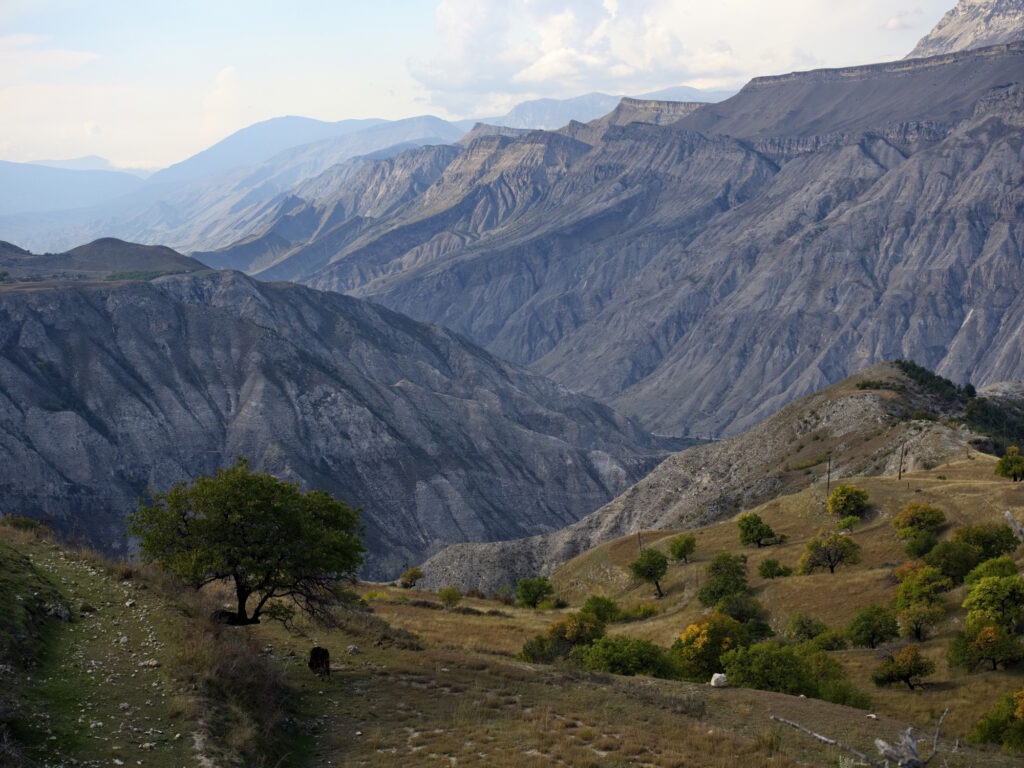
(973,24)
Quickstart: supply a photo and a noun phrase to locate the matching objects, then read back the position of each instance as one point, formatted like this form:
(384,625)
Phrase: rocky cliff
(701,272)
(108,389)
(973,24)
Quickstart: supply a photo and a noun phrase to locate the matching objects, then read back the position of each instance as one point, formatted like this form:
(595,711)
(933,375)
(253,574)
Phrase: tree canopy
(269,538)
(828,551)
(650,566)
(754,530)
(682,546)
(1011,464)
(848,500)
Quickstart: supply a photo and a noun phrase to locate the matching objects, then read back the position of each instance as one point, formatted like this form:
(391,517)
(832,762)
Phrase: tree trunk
(910,685)
(242,592)
(657,586)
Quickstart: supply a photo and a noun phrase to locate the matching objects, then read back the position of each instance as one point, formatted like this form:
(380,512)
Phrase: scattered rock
(129,604)
(353,650)
(719,680)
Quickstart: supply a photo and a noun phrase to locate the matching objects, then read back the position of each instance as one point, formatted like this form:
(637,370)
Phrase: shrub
(750,613)
(770,667)
(955,559)
(848,522)
(997,566)
(907,665)
(918,516)
(639,612)
(604,609)
(773,569)
(1003,724)
(505,594)
(846,500)
(803,627)
(625,656)
(681,547)
(872,625)
(530,592)
(993,539)
(449,596)
(726,575)
(410,577)
(698,650)
(755,531)
(557,643)
(829,641)
(552,604)
(917,544)
(829,550)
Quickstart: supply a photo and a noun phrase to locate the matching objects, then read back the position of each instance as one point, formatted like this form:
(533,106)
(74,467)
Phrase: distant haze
(145,85)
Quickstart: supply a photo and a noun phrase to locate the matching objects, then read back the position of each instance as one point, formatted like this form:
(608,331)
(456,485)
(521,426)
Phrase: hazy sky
(147,83)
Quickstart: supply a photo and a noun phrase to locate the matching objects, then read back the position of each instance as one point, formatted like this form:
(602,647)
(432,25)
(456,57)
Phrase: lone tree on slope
(264,534)
(651,566)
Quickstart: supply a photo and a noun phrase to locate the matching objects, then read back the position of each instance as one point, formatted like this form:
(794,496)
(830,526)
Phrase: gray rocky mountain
(110,388)
(701,266)
(866,431)
(973,24)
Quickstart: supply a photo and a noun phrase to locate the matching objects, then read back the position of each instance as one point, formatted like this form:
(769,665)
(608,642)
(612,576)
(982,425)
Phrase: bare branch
(935,738)
(827,740)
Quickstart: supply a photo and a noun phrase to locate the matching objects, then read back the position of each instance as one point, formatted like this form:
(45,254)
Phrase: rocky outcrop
(973,24)
(110,389)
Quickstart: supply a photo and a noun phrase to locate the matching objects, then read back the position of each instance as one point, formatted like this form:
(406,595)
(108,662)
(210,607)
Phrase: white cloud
(498,53)
(221,104)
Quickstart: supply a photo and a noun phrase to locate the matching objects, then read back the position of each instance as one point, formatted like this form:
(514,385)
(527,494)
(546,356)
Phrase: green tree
(997,566)
(450,596)
(410,577)
(1011,464)
(604,609)
(651,566)
(1000,598)
(923,584)
(918,620)
(531,592)
(983,640)
(917,544)
(773,569)
(872,625)
(270,539)
(829,550)
(918,516)
(907,665)
(993,539)
(847,523)
(954,558)
(682,546)
(698,650)
(754,530)
(846,500)
(726,575)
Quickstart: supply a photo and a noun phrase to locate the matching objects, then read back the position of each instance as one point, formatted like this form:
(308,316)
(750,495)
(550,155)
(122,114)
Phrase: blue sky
(146,83)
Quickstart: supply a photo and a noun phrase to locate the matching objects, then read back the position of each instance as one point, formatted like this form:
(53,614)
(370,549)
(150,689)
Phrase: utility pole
(639,541)
(828,478)
(899,472)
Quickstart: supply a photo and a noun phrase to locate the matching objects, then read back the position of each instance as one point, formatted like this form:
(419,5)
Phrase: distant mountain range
(110,387)
(207,200)
(701,270)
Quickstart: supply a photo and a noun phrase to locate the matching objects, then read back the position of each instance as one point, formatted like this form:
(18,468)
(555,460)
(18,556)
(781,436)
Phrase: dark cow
(320,661)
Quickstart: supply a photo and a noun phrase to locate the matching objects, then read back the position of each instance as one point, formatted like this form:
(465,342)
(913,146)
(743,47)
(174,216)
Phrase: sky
(148,83)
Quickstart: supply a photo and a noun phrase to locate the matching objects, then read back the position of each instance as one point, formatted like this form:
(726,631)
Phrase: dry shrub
(241,697)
